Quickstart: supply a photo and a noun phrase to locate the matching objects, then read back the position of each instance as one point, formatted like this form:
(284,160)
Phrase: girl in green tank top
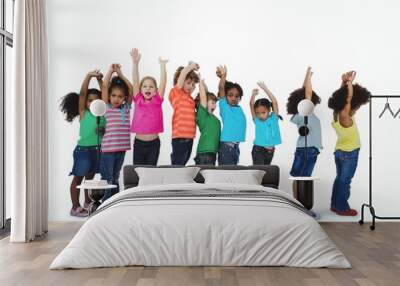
(85,153)
(345,102)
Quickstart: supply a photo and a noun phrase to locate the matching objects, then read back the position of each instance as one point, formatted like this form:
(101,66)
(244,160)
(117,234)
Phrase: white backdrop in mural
(272,41)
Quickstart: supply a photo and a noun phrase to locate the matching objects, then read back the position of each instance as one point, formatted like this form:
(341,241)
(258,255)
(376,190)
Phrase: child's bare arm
(135,70)
(84,90)
(252,101)
(203,95)
(345,114)
(106,84)
(221,73)
(186,70)
(126,80)
(163,76)
(270,95)
(307,84)
(99,78)
(345,78)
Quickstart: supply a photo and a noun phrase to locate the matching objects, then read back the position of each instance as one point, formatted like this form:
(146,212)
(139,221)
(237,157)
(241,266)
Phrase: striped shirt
(117,136)
(184,117)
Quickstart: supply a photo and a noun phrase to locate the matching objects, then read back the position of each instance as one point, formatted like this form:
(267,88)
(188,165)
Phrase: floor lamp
(97,108)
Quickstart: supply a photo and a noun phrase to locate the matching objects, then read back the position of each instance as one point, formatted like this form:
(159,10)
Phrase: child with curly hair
(85,153)
(305,158)
(345,102)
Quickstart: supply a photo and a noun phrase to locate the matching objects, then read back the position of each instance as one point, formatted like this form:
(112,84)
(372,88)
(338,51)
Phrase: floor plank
(374,255)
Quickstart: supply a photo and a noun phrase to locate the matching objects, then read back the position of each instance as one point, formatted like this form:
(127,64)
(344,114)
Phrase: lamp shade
(305,107)
(98,107)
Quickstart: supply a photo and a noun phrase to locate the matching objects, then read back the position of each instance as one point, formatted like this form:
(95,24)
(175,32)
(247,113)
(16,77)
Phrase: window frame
(6,39)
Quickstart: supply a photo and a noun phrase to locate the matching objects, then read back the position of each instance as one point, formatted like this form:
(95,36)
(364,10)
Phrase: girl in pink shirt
(147,121)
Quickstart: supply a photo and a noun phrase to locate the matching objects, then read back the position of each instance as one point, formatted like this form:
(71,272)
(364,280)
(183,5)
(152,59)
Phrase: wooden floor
(375,257)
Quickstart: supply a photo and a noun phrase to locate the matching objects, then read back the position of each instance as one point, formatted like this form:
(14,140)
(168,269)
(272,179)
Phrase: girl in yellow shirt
(345,102)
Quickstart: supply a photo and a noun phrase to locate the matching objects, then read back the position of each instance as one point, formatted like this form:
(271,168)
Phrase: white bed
(225,225)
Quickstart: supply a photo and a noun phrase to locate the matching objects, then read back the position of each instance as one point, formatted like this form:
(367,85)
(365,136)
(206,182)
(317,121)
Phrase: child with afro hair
(345,102)
(305,158)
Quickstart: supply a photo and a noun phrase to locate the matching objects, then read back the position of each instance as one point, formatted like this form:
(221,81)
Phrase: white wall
(258,40)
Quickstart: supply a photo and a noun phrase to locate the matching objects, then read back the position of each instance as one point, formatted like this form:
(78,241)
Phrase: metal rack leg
(372,211)
(361,221)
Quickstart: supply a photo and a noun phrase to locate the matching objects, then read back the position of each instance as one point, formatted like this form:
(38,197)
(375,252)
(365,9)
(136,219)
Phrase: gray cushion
(270,179)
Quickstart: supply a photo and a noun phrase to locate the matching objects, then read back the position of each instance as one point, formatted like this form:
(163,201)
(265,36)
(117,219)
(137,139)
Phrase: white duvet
(188,231)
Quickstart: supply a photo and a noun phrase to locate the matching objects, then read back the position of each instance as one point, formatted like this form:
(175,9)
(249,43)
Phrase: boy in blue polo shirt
(233,119)
(267,127)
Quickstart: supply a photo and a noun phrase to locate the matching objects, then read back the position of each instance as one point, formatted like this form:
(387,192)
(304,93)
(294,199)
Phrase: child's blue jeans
(346,165)
(181,150)
(110,167)
(228,153)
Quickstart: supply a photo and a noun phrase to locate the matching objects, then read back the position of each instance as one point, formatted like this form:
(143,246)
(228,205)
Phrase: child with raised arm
(117,94)
(184,116)
(345,102)
(209,126)
(305,158)
(147,120)
(267,126)
(233,119)
(85,153)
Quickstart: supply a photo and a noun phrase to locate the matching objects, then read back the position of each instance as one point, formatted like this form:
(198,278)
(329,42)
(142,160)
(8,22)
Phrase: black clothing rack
(370,205)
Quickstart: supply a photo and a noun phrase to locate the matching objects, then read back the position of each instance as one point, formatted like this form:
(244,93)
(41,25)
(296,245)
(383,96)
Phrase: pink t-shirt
(148,116)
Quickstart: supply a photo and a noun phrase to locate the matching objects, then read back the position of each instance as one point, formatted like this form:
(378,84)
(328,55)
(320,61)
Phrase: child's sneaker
(79,212)
(349,212)
(86,206)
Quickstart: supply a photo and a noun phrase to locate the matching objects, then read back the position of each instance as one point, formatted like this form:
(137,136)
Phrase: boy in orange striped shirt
(184,116)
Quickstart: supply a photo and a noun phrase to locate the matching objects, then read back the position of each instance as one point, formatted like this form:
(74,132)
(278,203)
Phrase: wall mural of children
(147,124)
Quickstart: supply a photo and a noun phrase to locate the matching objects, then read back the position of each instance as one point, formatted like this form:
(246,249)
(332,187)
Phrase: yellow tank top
(348,139)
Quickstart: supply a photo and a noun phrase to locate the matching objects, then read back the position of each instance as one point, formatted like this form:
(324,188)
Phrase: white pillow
(248,177)
(166,176)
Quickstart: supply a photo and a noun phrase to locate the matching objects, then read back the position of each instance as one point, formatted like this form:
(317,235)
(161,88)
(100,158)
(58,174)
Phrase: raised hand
(203,82)
(135,55)
(162,61)
(221,71)
(254,92)
(117,68)
(262,85)
(95,73)
(194,66)
(351,76)
(309,72)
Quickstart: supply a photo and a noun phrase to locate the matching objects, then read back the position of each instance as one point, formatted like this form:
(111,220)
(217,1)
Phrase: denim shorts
(85,161)
(302,167)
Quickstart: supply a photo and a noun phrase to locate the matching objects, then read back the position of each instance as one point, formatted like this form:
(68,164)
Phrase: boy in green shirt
(209,126)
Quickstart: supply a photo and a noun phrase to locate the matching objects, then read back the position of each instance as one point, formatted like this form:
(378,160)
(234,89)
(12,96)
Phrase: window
(6,44)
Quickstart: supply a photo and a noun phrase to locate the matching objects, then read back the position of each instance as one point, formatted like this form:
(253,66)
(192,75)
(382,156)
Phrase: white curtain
(28,105)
